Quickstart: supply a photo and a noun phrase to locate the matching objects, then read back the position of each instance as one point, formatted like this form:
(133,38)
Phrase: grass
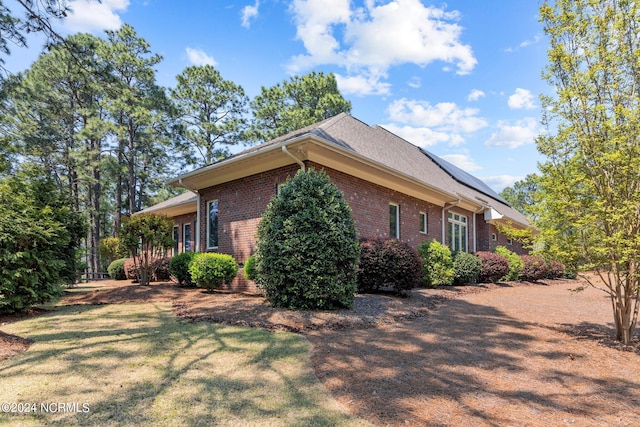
(137,364)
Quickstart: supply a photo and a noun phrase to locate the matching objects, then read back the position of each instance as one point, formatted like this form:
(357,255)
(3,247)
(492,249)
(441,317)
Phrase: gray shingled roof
(388,149)
(382,146)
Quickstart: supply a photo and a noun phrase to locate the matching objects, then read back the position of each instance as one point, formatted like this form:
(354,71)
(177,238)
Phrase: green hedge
(179,266)
(211,270)
(466,267)
(437,263)
(116,269)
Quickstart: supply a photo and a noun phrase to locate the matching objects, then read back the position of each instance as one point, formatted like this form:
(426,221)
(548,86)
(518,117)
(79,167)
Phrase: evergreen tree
(294,104)
(211,110)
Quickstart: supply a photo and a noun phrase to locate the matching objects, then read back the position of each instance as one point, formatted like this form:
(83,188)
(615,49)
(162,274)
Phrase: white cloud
(248,13)
(514,135)
(92,16)
(425,125)
(376,37)
(445,115)
(415,82)
(535,40)
(199,57)
(362,85)
(475,95)
(422,136)
(522,98)
(500,182)
(463,161)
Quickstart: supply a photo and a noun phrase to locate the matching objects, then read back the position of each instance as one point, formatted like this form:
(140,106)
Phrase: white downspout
(197,213)
(444,208)
(298,161)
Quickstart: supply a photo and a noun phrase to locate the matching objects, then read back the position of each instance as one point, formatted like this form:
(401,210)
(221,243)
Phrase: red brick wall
(242,202)
(179,221)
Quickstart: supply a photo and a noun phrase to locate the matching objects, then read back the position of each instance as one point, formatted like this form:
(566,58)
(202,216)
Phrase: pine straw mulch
(505,354)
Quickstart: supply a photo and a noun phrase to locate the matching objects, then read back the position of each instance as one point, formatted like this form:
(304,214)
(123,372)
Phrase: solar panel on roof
(465,177)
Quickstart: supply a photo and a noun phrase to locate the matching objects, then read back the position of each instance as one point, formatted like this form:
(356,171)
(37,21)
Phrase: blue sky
(460,78)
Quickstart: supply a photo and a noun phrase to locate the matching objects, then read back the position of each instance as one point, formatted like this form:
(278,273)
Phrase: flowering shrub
(494,267)
(388,263)
(534,268)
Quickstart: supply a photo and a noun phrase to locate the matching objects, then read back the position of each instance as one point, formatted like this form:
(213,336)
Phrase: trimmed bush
(515,263)
(116,269)
(179,267)
(307,249)
(466,268)
(211,270)
(388,263)
(437,263)
(494,267)
(555,270)
(160,270)
(130,270)
(249,269)
(534,268)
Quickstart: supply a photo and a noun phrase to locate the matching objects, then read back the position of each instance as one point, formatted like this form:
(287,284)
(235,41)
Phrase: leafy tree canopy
(590,206)
(294,104)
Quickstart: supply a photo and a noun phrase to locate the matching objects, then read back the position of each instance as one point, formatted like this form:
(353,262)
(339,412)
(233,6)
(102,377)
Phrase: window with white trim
(494,237)
(423,222)
(212,224)
(186,238)
(509,241)
(457,232)
(394,221)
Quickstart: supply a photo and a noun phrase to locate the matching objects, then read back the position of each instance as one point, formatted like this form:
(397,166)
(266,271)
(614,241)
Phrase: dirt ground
(494,355)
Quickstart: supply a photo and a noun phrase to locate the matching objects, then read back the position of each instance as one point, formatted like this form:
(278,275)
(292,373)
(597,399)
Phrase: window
(494,237)
(457,232)
(186,237)
(212,225)
(394,221)
(175,240)
(423,222)
(509,242)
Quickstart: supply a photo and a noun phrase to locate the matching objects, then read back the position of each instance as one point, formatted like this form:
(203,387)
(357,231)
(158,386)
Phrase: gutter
(303,168)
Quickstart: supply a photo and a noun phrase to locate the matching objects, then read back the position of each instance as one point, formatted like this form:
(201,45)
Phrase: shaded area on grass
(136,364)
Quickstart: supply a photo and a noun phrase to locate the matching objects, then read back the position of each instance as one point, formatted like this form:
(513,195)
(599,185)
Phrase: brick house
(395,189)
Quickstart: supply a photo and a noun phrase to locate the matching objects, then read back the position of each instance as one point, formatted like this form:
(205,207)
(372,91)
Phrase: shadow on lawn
(152,369)
(464,364)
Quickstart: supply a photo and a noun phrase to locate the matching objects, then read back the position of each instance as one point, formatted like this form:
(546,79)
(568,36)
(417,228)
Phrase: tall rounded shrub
(307,249)
(515,263)
(388,263)
(437,263)
(466,268)
(494,267)
(212,270)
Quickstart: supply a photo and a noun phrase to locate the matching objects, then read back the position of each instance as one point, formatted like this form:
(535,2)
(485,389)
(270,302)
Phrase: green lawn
(137,364)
